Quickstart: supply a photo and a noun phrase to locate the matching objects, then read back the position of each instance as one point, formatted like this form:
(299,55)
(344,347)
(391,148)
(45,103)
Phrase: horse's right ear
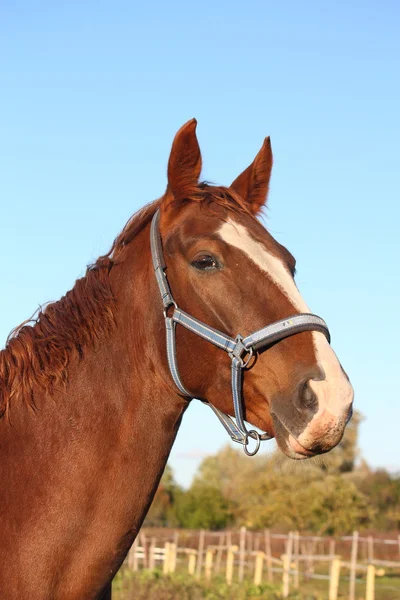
(184,165)
(253,184)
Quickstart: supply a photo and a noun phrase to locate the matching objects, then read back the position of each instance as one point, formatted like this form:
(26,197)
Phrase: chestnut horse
(89,407)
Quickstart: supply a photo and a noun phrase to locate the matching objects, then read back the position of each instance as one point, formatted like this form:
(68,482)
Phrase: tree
(337,506)
(223,470)
(272,490)
(162,510)
(203,507)
(327,495)
(383,491)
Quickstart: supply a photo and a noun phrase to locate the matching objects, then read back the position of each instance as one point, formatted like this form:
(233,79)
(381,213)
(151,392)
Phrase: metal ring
(250,356)
(256,436)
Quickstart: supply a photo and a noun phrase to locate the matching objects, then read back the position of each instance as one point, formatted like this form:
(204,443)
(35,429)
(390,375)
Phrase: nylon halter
(239,349)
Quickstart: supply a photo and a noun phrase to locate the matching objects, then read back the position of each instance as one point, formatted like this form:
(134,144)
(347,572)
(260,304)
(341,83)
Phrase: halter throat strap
(239,349)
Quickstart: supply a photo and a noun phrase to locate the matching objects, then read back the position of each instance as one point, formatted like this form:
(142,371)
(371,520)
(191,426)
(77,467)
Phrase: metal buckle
(166,308)
(240,350)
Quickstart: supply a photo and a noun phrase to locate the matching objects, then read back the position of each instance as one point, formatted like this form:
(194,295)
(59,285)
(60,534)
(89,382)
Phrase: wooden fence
(244,554)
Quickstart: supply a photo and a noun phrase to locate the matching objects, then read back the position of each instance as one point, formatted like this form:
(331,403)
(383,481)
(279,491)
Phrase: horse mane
(39,351)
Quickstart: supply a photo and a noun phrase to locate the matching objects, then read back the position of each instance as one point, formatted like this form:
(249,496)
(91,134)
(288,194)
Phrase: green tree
(203,507)
(328,495)
(383,492)
(223,470)
(162,511)
(337,506)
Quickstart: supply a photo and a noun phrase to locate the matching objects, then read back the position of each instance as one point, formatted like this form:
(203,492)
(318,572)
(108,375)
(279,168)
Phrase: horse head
(229,272)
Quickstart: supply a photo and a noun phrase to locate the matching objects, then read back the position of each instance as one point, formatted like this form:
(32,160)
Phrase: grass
(386,588)
(153,585)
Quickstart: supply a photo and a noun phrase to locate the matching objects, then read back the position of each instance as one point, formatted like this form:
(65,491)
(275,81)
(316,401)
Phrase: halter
(240,349)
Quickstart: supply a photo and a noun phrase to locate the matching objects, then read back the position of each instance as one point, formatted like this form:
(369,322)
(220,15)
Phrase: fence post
(166,558)
(249,537)
(259,568)
(370,591)
(152,562)
(200,554)
(229,539)
(285,577)
(134,556)
(192,562)
(270,573)
(209,561)
(172,558)
(143,540)
(289,552)
(296,552)
(353,566)
(229,563)
(176,538)
(217,565)
(334,579)
(130,555)
(242,546)
(370,542)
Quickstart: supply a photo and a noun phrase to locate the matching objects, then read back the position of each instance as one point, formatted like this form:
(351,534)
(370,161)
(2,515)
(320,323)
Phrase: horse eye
(205,262)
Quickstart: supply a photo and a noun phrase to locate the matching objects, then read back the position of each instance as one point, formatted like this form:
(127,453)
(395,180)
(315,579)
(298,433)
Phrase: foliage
(307,501)
(204,506)
(383,491)
(337,507)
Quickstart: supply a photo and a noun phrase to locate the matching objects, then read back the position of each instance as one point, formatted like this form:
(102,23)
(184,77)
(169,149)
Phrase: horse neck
(130,369)
(105,440)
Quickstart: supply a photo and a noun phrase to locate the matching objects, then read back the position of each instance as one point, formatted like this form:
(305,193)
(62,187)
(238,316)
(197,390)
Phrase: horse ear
(184,165)
(252,185)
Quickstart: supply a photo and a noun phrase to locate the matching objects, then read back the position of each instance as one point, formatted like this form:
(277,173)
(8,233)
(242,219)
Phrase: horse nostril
(349,414)
(308,397)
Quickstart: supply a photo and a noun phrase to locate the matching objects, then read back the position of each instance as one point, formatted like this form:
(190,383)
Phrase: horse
(90,394)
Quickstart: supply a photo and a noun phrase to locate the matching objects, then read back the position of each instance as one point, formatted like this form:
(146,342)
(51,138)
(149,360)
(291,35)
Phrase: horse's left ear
(184,165)
(253,184)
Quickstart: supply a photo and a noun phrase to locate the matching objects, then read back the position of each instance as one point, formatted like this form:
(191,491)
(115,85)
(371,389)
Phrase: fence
(265,556)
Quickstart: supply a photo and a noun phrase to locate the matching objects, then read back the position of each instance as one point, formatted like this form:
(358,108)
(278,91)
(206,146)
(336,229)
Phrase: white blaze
(334,392)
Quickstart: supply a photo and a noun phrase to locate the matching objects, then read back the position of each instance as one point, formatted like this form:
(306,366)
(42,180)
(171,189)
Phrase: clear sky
(91,96)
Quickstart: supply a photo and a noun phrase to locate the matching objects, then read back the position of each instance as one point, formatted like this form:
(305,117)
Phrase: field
(153,585)
(236,565)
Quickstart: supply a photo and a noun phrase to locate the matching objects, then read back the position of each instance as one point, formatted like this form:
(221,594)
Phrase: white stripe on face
(334,392)
(236,235)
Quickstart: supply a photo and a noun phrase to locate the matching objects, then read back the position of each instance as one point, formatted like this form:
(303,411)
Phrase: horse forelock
(212,196)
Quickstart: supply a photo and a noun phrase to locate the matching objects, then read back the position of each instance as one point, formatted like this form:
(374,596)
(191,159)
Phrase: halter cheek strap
(239,349)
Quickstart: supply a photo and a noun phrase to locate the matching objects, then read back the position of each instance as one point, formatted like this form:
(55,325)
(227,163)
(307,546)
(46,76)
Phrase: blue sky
(91,96)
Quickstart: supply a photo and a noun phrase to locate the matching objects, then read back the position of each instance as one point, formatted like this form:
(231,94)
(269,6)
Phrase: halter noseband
(239,349)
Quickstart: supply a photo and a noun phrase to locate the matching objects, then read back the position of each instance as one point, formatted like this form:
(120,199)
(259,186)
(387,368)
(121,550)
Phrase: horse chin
(288,444)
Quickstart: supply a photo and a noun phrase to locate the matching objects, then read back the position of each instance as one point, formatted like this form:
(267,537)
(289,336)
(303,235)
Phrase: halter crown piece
(239,349)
